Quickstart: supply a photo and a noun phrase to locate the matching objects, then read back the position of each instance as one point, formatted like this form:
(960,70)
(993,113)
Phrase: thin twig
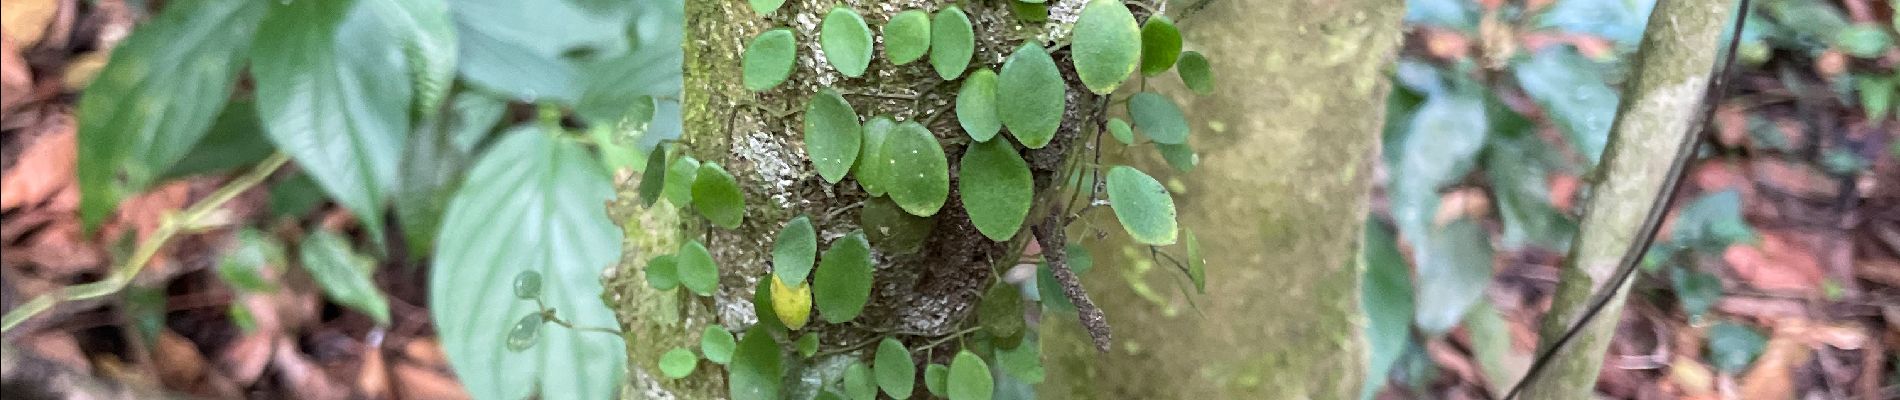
(172,225)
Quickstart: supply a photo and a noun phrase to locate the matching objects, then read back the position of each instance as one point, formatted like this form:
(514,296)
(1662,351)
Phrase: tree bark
(1287,142)
(1659,105)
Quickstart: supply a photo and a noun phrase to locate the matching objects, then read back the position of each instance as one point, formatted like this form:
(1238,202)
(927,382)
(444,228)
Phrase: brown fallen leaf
(1779,264)
(57,346)
(1692,379)
(1801,179)
(1563,191)
(1445,44)
(179,364)
(1882,271)
(425,352)
(45,167)
(26,20)
(372,376)
(299,375)
(244,358)
(414,382)
(16,78)
(1772,376)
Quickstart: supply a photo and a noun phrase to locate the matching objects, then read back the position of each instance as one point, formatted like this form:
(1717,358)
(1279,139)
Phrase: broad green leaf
(755,370)
(918,171)
(1574,92)
(343,275)
(440,152)
(541,51)
(846,41)
(1119,129)
(1024,361)
(767,312)
(795,249)
(428,42)
(1863,40)
(1160,45)
(952,42)
(1032,110)
(1438,147)
(155,98)
(1386,297)
(1713,221)
(1195,72)
(232,143)
(532,202)
(996,188)
(653,177)
(769,59)
(871,168)
(891,228)
(679,180)
(764,7)
(842,283)
(250,266)
(1179,156)
(832,135)
(1518,181)
(333,94)
(1490,340)
(907,36)
(792,304)
(1159,119)
(1001,312)
(1107,45)
(976,105)
(717,344)
(475,115)
(696,268)
(936,377)
(969,378)
(1733,347)
(1696,291)
(614,87)
(717,197)
(295,197)
(1876,96)
(1143,206)
(858,384)
(663,272)
(1619,21)
(807,345)
(1196,266)
(1454,267)
(896,371)
(1454,14)
(678,363)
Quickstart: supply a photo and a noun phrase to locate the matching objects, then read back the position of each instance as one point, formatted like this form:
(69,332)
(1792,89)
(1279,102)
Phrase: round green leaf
(1142,205)
(918,171)
(934,377)
(896,372)
(1121,131)
(871,165)
(1160,45)
(1032,110)
(766,311)
(528,285)
(1024,361)
(976,105)
(663,272)
(807,345)
(857,382)
(892,229)
(1863,40)
(1179,156)
(523,335)
(756,370)
(842,283)
(1158,118)
(1107,45)
(952,42)
(766,6)
(653,177)
(1001,311)
(697,270)
(717,197)
(907,36)
(678,363)
(679,181)
(1035,11)
(846,41)
(1195,72)
(995,187)
(832,135)
(1196,266)
(769,59)
(969,378)
(795,250)
(717,344)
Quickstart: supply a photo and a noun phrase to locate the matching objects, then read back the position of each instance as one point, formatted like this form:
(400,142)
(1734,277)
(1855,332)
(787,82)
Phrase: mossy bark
(1659,105)
(1287,142)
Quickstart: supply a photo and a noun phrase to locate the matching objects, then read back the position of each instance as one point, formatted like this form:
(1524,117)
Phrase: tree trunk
(1659,105)
(1287,144)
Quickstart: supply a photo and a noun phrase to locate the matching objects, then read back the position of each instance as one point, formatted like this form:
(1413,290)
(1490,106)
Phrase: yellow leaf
(792,304)
(26,20)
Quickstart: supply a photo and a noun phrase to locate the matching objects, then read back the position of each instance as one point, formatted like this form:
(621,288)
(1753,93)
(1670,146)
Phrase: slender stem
(171,226)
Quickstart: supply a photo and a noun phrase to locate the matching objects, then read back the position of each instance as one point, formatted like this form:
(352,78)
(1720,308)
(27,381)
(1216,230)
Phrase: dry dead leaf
(177,360)
(1885,272)
(372,376)
(1563,190)
(415,382)
(26,20)
(1772,376)
(45,167)
(1799,178)
(426,352)
(1778,264)
(302,376)
(1692,379)
(1831,63)
(1462,203)
(16,78)
(1731,125)
(57,346)
(244,358)
(1445,44)
(82,68)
